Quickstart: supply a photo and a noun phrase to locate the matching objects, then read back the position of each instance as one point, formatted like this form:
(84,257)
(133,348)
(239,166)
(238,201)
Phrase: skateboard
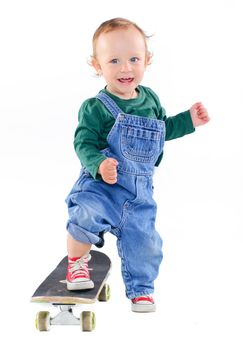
(53,290)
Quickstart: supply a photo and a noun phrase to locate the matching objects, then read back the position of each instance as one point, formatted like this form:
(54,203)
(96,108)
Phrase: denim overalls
(126,209)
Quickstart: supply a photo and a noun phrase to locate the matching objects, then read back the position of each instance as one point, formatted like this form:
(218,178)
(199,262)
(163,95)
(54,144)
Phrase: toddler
(119,140)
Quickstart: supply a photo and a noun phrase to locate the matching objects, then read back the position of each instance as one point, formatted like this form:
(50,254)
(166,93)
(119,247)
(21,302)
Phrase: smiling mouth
(125,80)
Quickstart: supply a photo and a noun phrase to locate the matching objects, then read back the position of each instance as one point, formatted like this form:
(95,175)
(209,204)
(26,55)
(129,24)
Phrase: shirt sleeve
(176,126)
(86,138)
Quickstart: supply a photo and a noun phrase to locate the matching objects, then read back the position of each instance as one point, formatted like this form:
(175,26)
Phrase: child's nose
(126,67)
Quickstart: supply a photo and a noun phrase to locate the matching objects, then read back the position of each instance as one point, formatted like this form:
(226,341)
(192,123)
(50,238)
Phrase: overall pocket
(140,144)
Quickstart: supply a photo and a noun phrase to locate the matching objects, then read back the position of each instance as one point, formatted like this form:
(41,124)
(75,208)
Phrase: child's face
(121,58)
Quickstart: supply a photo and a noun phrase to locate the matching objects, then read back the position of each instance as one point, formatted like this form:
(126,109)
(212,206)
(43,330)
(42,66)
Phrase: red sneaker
(78,274)
(143,303)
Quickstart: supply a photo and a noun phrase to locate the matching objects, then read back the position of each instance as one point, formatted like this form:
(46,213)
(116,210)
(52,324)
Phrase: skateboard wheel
(105,293)
(88,321)
(43,321)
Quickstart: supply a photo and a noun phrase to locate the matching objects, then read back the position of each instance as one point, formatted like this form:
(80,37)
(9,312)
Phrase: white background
(44,78)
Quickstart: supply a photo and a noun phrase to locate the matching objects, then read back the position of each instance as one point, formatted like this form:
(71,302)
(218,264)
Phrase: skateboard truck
(86,321)
(65,316)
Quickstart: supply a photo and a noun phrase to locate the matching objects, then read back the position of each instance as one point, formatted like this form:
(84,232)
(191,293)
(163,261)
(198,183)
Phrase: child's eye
(114,61)
(134,59)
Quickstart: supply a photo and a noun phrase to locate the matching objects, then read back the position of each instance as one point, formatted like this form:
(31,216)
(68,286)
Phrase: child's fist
(108,170)
(199,114)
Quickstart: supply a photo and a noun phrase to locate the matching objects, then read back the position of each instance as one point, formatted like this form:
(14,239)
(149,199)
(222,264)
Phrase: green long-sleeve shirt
(95,123)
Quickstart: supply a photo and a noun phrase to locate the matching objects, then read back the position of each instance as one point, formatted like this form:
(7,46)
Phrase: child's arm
(199,114)
(183,123)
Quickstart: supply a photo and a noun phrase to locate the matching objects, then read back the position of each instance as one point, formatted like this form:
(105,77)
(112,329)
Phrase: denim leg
(140,249)
(88,217)
(94,208)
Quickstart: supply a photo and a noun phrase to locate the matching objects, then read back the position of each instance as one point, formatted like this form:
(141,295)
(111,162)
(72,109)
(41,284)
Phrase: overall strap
(109,104)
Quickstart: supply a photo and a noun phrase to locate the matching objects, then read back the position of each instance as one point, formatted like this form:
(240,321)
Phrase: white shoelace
(79,268)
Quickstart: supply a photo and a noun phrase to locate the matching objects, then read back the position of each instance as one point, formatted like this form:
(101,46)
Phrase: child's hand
(199,114)
(108,170)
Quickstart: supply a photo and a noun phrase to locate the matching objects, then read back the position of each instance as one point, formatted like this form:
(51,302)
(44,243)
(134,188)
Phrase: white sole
(143,307)
(80,285)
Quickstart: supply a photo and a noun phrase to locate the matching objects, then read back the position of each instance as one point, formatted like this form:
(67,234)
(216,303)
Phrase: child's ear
(149,58)
(96,66)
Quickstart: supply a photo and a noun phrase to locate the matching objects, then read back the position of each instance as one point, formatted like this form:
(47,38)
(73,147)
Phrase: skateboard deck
(53,290)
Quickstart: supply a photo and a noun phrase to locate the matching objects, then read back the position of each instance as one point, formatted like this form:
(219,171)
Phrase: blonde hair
(113,24)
